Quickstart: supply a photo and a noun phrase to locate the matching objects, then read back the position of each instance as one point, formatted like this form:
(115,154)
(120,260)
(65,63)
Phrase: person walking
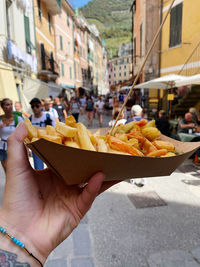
(60,108)
(48,108)
(8,123)
(100,109)
(40,119)
(75,108)
(89,107)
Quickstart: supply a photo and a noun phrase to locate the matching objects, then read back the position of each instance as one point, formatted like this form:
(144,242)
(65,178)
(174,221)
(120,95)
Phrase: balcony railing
(49,68)
(53,6)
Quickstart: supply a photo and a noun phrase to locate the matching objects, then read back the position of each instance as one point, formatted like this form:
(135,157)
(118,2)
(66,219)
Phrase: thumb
(17,154)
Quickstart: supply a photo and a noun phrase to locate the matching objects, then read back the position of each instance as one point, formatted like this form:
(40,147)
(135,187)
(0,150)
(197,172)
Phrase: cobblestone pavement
(115,233)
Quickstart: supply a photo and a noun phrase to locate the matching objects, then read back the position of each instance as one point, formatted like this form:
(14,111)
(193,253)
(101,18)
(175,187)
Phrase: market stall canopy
(164,82)
(195,79)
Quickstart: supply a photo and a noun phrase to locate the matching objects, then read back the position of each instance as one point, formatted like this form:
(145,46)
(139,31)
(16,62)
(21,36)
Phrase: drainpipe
(159,60)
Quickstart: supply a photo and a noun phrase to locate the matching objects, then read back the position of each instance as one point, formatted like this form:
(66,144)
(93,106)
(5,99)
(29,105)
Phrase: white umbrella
(164,82)
(195,79)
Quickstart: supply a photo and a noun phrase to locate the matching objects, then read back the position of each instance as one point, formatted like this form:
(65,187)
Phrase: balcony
(53,6)
(49,69)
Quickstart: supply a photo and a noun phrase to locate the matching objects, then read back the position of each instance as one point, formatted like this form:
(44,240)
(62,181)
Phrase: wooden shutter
(42,55)
(27,34)
(176,25)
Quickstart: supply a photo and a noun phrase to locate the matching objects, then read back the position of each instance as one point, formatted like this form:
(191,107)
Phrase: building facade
(146,20)
(48,68)
(17,47)
(64,45)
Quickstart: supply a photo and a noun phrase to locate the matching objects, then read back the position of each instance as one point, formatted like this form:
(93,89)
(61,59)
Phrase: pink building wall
(64,45)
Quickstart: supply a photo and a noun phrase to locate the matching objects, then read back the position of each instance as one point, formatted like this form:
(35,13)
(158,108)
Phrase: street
(115,233)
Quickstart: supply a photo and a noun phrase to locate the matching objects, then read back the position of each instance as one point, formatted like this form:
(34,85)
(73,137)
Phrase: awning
(164,82)
(33,88)
(189,80)
(7,84)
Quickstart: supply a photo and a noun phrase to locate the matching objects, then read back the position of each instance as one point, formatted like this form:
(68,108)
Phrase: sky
(79,3)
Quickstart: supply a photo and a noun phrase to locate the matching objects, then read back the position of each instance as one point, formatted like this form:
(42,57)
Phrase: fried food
(135,138)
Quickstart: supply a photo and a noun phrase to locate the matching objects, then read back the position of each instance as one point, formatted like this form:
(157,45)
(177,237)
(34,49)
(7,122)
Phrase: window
(61,43)
(141,39)
(70,72)
(62,70)
(69,48)
(42,56)
(39,10)
(120,74)
(124,66)
(120,67)
(127,60)
(49,22)
(67,20)
(27,34)
(176,25)
(75,70)
(114,75)
(124,73)
(109,76)
(8,16)
(135,50)
(111,70)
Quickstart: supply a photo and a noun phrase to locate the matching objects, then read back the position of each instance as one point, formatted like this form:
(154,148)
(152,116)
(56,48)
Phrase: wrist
(8,245)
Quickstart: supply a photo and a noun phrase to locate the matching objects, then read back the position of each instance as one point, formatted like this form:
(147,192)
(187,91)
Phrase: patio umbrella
(164,82)
(195,79)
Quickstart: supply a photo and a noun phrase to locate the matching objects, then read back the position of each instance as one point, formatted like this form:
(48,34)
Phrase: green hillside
(113,19)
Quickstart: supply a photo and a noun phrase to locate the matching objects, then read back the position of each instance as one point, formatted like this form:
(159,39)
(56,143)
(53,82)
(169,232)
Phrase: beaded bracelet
(18,243)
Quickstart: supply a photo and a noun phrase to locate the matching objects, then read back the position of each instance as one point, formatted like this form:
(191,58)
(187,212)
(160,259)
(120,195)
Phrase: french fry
(55,139)
(34,139)
(169,154)
(157,153)
(84,138)
(41,132)
(32,132)
(117,144)
(151,133)
(71,144)
(51,130)
(65,130)
(164,145)
(101,145)
(70,121)
(117,152)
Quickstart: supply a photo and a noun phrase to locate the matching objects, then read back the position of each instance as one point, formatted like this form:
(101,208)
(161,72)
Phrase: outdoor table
(184,137)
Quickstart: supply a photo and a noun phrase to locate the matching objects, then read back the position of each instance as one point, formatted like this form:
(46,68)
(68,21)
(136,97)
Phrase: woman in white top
(8,123)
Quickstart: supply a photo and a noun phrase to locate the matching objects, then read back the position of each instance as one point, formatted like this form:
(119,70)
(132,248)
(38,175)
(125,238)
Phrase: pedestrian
(121,119)
(100,109)
(162,123)
(60,108)
(39,208)
(82,101)
(18,108)
(75,108)
(48,108)
(136,113)
(8,123)
(89,107)
(39,119)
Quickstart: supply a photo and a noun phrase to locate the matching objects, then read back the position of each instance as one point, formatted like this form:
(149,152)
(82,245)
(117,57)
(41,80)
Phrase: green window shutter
(70,72)
(61,43)
(62,70)
(75,70)
(27,34)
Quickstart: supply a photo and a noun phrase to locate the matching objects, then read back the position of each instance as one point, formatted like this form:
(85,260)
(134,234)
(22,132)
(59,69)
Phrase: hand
(38,204)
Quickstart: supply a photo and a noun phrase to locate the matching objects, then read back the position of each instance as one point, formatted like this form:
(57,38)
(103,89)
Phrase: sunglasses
(35,106)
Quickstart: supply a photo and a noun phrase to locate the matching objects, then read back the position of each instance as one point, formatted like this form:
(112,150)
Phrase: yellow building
(180,46)
(44,10)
